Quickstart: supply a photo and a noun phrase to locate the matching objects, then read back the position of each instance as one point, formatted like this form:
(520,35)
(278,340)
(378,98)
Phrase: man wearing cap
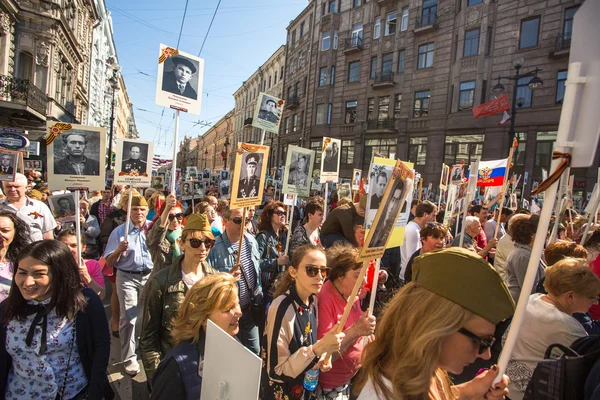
(134,161)
(340,223)
(249,185)
(129,254)
(268,113)
(177,80)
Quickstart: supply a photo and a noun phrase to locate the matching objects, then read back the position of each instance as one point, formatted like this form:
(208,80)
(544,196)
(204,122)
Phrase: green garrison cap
(199,222)
(466,279)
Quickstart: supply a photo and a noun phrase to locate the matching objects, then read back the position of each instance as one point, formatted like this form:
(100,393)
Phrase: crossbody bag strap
(71,343)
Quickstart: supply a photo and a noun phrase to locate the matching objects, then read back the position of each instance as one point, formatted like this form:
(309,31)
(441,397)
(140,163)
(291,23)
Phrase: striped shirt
(249,272)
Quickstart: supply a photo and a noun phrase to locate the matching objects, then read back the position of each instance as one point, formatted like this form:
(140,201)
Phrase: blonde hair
(125,198)
(216,292)
(409,345)
(154,199)
(344,200)
(571,274)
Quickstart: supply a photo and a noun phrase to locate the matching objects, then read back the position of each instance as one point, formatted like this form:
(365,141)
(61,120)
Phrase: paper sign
(249,172)
(133,164)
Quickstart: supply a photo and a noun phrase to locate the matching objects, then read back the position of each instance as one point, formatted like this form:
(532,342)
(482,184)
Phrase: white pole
(289,235)
(174,162)
(262,137)
(128,220)
(325,198)
(562,189)
(78,225)
(471,188)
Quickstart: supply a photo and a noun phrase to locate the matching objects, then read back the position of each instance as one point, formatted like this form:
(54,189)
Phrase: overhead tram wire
(209,26)
(182,23)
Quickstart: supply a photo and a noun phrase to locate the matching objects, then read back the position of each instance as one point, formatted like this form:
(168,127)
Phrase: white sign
(133,163)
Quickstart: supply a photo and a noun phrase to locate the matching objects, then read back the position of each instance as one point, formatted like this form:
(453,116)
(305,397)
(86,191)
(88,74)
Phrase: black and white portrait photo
(33,165)
(206,174)
(224,175)
(137,154)
(133,162)
(180,76)
(158,182)
(356,177)
(198,188)
(299,169)
(267,114)
(444,177)
(224,186)
(250,175)
(192,173)
(330,160)
(76,152)
(377,187)
(187,188)
(250,172)
(8,166)
(457,175)
(63,207)
(268,109)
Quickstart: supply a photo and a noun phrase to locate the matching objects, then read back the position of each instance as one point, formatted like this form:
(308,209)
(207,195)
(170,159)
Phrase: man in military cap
(268,113)
(249,185)
(134,161)
(177,80)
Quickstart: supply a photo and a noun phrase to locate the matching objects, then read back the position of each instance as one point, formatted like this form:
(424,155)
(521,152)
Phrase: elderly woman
(271,238)
(167,288)
(433,237)
(216,298)
(332,300)
(311,230)
(506,246)
(434,326)
(572,288)
(523,235)
(163,234)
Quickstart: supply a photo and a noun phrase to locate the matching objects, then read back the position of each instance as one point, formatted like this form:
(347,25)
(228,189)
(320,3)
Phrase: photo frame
(356,178)
(187,189)
(179,80)
(158,182)
(9,165)
(206,174)
(250,171)
(268,112)
(191,173)
(444,177)
(76,156)
(224,175)
(400,184)
(63,207)
(133,163)
(297,177)
(457,175)
(330,159)
(33,165)
(225,187)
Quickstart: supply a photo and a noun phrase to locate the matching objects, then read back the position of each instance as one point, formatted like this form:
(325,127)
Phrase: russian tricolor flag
(491,173)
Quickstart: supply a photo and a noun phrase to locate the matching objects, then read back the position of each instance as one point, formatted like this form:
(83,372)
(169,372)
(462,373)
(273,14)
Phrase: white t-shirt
(412,243)
(369,393)
(543,325)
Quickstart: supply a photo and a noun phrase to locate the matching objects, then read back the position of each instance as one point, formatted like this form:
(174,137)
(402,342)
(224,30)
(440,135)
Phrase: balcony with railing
(22,94)
(292,101)
(353,44)
(383,80)
(382,125)
(426,22)
(563,45)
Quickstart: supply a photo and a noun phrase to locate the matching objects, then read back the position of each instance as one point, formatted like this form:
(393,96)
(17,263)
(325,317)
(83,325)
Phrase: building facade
(268,78)
(400,79)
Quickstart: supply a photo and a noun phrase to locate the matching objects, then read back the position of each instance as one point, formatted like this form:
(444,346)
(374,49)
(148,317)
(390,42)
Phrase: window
(384,108)
(397,105)
(377,29)
(354,71)
(524,92)
(417,150)
(401,57)
(387,63)
(568,23)
(322,114)
(466,94)
(561,81)
(325,41)
(294,37)
(302,29)
(543,149)
(370,108)
(355,3)
(421,106)
(317,147)
(350,112)
(26,66)
(520,150)
(357,35)
(281,74)
(335,39)
(286,124)
(467,148)
(489,40)
(347,155)
(404,24)
(294,123)
(269,81)
(425,56)
(332,6)
(390,23)
(529,32)
(332,76)
(323,76)
(473,2)
(428,15)
(373,67)
(383,147)
(471,43)
(300,61)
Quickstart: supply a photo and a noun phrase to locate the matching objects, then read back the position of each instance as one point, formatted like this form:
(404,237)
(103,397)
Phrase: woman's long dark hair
(67,297)
(22,237)
(264,219)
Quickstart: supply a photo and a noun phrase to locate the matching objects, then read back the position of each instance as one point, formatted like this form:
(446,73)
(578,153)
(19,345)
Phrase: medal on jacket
(279,247)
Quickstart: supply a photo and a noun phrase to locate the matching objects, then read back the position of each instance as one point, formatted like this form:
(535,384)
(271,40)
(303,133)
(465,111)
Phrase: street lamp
(534,83)
(111,62)
(226,146)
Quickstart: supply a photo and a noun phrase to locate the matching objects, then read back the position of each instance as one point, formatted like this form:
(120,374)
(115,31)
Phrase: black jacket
(93,344)
(169,84)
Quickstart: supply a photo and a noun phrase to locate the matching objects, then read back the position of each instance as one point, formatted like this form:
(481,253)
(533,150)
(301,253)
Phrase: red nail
(481,371)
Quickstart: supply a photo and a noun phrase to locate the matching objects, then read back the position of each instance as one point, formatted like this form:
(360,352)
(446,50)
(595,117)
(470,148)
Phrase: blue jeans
(249,334)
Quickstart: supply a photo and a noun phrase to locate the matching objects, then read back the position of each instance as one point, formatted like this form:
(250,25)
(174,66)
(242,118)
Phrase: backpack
(564,378)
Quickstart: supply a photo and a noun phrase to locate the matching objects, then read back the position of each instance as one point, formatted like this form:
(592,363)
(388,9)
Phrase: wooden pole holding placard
(420,189)
(78,226)
(128,220)
(504,188)
(242,231)
(325,195)
(174,162)
(289,234)
(562,189)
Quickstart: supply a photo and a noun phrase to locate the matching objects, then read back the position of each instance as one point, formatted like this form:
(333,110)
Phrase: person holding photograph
(310,232)
(90,229)
(250,183)
(6,167)
(76,162)
(269,112)
(164,233)
(299,176)
(271,239)
(177,80)
(134,162)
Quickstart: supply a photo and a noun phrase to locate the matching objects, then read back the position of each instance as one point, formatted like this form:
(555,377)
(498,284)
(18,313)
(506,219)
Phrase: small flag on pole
(505,118)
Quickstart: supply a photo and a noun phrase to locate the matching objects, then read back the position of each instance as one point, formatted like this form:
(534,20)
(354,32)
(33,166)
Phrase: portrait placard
(224,175)
(450,204)
(158,182)
(444,177)
(330,159)
(187,190)
(457,174)
(75,153)
(268,111)
(198,188)
(400,184)
(192,173)
(288,199)
(250,172)
(299,162)
(63,207)
(206,174)
(356,177)
(179,80)
(133,163)
(225,189)
(33,165)
(9,164)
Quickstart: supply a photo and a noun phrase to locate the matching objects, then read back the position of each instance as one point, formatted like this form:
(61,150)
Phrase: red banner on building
(492,107)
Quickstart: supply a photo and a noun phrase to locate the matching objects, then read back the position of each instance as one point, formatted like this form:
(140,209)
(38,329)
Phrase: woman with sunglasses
(163,234)
(433,237)
(208,210)
(434,326)
(292,352)
(271,239)
(333,298)
(572,288)
(311,230)
(166,289)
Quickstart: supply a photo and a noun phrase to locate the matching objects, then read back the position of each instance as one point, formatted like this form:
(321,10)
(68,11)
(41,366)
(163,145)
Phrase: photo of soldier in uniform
(457,175)
(206,174)
(198,188)
(137,155)
(158,182)
(250,171)
(224,175)
(268,110)
(192,173)
(74,152)
(186,188)
(63,207)
(8,166)
(298,169)
(224,185)
(179,77)
(330,162)
(356,179)
(444,177)
(249,184)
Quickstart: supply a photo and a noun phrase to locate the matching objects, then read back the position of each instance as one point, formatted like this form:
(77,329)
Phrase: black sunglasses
(280,213)
(179,216)
(484,344)
(236,220)
(312,271)
(195,243)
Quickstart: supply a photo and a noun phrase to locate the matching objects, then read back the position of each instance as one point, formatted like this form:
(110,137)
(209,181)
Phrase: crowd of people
(443,305)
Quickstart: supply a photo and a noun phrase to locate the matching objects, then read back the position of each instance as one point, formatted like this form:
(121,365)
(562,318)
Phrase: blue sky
(244,35)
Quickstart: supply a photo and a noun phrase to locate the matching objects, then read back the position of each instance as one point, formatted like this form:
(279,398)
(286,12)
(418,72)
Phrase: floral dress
(40,375)
(287,354)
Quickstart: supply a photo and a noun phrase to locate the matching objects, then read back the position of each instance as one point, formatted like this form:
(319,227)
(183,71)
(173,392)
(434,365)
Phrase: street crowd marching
(442,306)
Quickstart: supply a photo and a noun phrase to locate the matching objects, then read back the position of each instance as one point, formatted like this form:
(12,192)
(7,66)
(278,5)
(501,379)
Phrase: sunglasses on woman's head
(179,216)
(484,344)
(195,243)
(312,271)
(280,213)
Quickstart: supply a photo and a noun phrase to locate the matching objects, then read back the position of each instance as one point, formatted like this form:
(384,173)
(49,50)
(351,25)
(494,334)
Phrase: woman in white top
(572,287)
